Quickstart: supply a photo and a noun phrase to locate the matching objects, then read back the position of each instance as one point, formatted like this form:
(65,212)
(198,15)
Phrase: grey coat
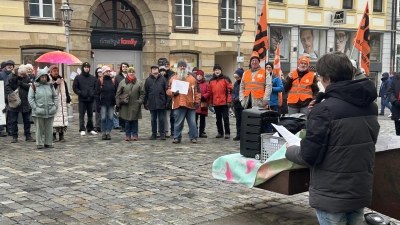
(44,99)
(135,89)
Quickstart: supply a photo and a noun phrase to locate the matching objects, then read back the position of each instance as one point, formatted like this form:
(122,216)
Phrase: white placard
(73,75)
(290,138)
(2,104)
(79,71)
(181,86)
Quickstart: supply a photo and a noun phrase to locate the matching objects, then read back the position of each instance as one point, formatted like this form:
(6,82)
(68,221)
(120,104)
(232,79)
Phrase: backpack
(293,124)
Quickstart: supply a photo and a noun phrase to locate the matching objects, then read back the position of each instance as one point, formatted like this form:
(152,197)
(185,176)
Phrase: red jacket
(220,90)
(205,93)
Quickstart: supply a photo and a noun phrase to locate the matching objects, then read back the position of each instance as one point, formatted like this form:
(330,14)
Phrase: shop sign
(339,17)
(117,41)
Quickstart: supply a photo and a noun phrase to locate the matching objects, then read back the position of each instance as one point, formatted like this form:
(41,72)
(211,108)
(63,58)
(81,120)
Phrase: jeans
(14,124)
(180,114)
(85,107)
(131,128)
(107,114)
(202,122)
(167,121)
(44,127)
(222,112)
(351,218)
(158,113)
(293,110)
(238,116)
(385,102)
(115,120)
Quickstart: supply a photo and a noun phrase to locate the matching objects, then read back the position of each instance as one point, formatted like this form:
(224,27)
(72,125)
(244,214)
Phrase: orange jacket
(301,90)
(256,86)
(185,100)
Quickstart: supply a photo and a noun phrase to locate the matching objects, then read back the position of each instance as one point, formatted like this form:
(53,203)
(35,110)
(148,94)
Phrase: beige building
(139,32)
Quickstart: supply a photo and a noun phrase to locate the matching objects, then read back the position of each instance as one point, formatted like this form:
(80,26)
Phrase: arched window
(115,15)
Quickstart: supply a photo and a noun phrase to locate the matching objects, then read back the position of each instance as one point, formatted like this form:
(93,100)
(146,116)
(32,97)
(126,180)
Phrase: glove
(196,105)
(4,110)
(116,109)
(397,104)
(229,104)
(176,93)
(146,106)
(203,99)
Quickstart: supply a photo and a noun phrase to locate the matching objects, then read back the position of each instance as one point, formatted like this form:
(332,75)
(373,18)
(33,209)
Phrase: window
(30,55)
(191,59)
(347,4)
(228,8)
(122,7)
(281,36)
(184,14)
(41,9)
(312,43)
(377,5)
(376,47)
(313,2)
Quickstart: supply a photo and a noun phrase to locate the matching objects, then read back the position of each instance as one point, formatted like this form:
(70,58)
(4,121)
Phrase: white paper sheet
(181,86)
(290,138)
(73,75)
(79,71)
(2,104)
(46,68)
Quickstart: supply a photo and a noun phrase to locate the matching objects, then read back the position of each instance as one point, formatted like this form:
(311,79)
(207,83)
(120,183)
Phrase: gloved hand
(203,99)
(4,110)
(176,93)
(196,105)
(146,106)
(116,109)
(397,104)
(229,104)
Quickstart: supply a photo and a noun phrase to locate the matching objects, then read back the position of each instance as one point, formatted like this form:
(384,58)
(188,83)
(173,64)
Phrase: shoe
(127,138)
(3,134)
(176,141)
(219,136)
(162,137)
(153,137)
(93,132)
(158,135)
(381,114)
(227,136)
(194,141)
(135,138)
(83,133)
(48,146)
(55,137)
(104,137)
(62,137)
(39,147)
(30,139)
(237,138)
(108,136)
(203,135)
(166,134)
(390,115)
(116,128)
(122,129)
(14,140)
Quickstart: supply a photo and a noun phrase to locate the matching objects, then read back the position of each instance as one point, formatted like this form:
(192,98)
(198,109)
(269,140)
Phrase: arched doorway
(116,36)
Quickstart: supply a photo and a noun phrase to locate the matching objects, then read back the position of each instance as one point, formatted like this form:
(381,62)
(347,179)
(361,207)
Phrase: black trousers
(397,127)
(172,120)
(276,108)
(202,122)
(85,107)
(222,113)
(14,124)
(238,116)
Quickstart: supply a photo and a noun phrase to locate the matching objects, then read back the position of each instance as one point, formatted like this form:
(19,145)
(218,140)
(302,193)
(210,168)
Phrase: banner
(277,69)
(361,41)
(2,104)
(261,40)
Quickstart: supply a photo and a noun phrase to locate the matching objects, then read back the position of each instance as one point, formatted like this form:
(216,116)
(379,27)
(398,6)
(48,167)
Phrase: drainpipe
(393,36)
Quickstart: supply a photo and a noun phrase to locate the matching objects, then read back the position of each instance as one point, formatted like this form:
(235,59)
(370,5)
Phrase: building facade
(315,27)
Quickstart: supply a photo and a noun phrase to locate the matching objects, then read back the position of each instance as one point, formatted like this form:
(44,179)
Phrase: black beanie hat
(217,66)
(3,64)
(270,64)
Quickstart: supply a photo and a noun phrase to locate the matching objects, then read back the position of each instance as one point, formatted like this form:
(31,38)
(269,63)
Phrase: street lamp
(66,14)
(238,26)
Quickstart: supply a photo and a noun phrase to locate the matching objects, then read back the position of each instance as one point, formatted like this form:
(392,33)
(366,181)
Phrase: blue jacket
(277,87)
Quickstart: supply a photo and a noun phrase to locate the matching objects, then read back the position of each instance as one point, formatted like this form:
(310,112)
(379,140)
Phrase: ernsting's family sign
(117,41)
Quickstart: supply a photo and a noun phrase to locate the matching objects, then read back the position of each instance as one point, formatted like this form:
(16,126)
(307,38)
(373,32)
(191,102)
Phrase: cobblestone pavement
(89,181)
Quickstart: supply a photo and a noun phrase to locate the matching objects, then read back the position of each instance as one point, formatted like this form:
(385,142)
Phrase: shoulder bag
(13,99)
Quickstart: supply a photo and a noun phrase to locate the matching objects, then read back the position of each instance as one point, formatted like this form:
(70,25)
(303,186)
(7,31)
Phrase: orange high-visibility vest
(257,86)
(301,90)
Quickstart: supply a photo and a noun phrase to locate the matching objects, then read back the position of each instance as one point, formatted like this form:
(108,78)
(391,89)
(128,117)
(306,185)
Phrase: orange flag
(277,69)
(261,40)
(361,40)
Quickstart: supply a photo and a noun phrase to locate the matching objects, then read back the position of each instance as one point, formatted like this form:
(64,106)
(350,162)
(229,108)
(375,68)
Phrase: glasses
(340,37)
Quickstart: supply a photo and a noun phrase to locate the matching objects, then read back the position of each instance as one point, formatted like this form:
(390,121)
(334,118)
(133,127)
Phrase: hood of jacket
(82,69)
(385,76)
(357,92)
(40,74)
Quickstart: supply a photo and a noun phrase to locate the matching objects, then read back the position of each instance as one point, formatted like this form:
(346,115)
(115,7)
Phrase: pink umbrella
(58,57)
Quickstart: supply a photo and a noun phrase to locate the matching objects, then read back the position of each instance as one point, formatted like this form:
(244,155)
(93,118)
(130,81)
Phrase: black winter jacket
(84,87)
(340,147)
(394,95)
(156,92)
(105,93)
(118,78)
(13,82)
(235,95)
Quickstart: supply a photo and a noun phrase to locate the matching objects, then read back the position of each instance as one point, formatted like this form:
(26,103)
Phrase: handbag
(13,99)
(123,99)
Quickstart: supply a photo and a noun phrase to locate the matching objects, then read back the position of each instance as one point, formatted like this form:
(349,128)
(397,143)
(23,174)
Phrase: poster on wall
(343,43)
(312,43)
(2,104)
(279,35)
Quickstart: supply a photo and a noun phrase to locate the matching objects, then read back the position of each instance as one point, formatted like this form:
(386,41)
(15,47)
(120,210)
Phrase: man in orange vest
(255,88)
(301,86)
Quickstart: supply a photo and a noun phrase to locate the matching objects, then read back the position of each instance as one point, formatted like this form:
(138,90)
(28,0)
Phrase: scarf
(130,79)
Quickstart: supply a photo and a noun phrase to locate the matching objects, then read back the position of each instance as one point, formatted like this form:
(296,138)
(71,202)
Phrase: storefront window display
(191,59)
(281,36)
(375,45)
(30,55)
(343,43)
(312,43)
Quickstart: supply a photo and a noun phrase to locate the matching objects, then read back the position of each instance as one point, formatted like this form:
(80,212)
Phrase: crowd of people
(108,102)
